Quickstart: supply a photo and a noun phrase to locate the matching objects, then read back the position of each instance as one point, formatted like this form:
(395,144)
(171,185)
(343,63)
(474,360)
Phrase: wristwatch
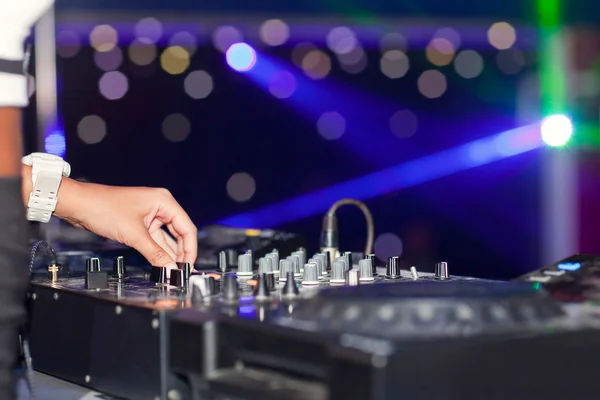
(13,81)
(47,171)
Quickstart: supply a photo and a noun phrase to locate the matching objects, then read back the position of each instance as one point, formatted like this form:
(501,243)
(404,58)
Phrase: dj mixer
(330,326)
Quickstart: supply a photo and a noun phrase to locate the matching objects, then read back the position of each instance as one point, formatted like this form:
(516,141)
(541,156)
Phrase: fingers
(182,228)
(152,251)
(165,241)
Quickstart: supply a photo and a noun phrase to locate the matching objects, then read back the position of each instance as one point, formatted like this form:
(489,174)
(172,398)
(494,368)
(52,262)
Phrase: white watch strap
(47,171)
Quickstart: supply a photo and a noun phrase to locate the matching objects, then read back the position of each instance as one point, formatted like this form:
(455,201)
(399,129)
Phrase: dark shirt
(13,278)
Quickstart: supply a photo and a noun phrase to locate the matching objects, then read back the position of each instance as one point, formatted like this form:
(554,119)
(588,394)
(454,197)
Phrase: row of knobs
(204,286)
(392,270)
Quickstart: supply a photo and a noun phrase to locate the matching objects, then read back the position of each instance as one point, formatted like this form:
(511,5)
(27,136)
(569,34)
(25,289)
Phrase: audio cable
(330,233)
(53,273)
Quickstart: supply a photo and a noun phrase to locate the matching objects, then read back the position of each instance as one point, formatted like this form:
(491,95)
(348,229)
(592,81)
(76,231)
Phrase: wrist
(68,196)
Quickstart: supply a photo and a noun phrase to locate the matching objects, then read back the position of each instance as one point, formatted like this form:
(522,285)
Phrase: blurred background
(468,128)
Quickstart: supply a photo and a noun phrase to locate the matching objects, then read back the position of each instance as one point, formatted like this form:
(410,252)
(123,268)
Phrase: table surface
(47,387)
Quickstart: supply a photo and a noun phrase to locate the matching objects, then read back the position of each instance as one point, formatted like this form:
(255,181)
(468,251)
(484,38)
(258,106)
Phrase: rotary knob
(274,256)
(245,265)
(92,264)
(301,254)
(338,272)
(348,259)
(203,287)
(365,268)
(296,262)
(177,278)
(230,288)
(441,271)
(320,266)
(373,262)
(352,277)
(290,289)
(262,292)
(285,266)
(324,262)
(392,270)
(223,262)
(119,270)
(311,274)
(158,275)
(265,265)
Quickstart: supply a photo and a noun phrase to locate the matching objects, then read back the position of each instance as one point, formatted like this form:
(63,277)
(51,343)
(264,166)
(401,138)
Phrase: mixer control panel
(272,277)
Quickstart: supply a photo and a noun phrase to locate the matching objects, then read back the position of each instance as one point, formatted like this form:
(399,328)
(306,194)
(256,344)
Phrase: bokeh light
(300,51)
(353,62)
(142,52)
(316,64)
(68,44)
(198,84)
(109,60)
(113,85)
(392,41)
(502,35)
(176,127)
(331,125)
(186,40)
(241,187)
(387,245)
(54,143)
(341,40)
(282,84)
(394,64)
(226,36)
(404,123)
(274,32)
(440,52)
(104,38)
(91,129)
(432,84)
(241,57)
(150,29)
(556,130)
(450,35)
(468,64)
(511,62)
(175,60)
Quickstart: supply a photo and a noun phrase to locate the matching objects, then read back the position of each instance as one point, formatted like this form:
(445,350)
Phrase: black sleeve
(13,278)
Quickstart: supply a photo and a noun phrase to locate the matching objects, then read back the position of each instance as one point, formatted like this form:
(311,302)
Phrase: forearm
(69,194)
(11,144)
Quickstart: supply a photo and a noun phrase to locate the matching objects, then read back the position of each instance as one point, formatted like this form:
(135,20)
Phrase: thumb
(156,255)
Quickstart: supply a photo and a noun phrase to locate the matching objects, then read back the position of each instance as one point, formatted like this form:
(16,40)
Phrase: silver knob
(274,261)
(352,277)
(296,262)
(285,266)
(324,262)
(441,270)
(265,266)
(203,286)
(301,257)
(244,265)
(365,268)
(320,265)
(311,274)
(348,258)
(414,274)
(338,272)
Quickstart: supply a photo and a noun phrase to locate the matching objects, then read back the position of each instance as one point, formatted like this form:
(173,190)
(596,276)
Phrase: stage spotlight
(241,57)
(556,130)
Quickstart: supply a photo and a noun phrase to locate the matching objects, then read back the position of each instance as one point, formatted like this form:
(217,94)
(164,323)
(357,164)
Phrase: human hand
(134,216)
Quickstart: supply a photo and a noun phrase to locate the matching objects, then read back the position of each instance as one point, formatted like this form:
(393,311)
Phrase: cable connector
(53,270)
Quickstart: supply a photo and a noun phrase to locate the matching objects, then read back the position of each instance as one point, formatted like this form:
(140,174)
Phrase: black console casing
(107,346)
(321,367)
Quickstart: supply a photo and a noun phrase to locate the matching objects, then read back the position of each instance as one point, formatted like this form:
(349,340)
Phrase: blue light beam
(421,170)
